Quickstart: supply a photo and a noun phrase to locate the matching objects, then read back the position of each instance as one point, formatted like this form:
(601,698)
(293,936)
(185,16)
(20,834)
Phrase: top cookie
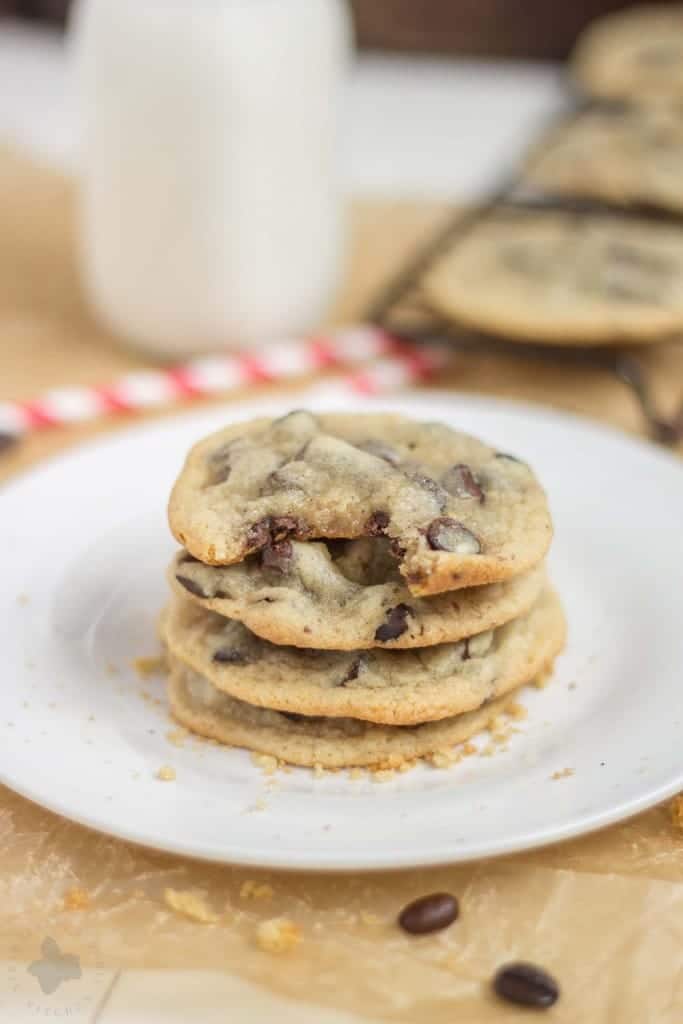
(564,278)
(635,54)
(458,512)
(625,156)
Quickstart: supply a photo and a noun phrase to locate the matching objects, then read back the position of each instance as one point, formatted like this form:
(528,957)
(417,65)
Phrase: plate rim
(321,861)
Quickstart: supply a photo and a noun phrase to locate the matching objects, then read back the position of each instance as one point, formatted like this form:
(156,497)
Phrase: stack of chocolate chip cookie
(355,590)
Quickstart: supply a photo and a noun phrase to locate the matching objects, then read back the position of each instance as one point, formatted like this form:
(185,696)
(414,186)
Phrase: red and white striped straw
(377,362)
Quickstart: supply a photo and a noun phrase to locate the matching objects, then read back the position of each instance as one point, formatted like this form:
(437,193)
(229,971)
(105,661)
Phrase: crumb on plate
(278,935)
(190,904)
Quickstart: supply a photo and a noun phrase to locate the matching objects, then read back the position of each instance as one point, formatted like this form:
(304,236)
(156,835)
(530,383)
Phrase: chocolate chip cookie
(457,512)
(562,278)
(345,595)
(634,55)
(388,687)
(310,741)
(621,156)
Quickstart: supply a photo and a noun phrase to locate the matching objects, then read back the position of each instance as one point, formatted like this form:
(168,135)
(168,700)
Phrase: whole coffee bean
(429,913)
(526,985)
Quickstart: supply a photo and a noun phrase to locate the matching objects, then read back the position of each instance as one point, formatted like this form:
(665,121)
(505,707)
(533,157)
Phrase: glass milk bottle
(211,214)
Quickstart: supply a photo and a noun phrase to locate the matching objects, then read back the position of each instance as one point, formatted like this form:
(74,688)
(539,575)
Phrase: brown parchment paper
(604,913)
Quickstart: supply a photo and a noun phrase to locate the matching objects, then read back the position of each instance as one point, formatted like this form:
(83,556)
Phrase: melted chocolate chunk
(277,557)
(431,486)
(449,535)
(230,656)
(429,914)
(461,482)
(526,985)
(194,588)
(395,625)
(381,450)
(354,671)
(273,530)
(377,524)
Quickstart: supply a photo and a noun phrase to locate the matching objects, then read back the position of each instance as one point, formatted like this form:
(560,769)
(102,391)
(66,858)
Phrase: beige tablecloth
(604,913)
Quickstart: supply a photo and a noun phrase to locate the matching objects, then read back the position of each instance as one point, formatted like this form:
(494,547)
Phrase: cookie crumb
(177,737)
(258,805)
(266,762)
(676,811)
(517,711)
(166,773)
(356,773)
(190,904)
(147,667)
(76,899)
(318,771)
(111,669)
(563,774)
(23,599)
(278,935)
(257,891)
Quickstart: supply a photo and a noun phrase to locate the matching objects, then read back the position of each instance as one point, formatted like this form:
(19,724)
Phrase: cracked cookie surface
(389,687)
(458,513)
(345,595)
(562,278)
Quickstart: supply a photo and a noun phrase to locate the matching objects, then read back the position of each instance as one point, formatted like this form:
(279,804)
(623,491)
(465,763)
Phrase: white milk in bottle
(211,213)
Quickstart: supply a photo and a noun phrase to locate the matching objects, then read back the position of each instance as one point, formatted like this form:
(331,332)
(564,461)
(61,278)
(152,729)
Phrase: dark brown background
(528,28)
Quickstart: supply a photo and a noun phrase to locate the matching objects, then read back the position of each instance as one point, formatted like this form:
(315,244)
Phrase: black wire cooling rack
(402,309)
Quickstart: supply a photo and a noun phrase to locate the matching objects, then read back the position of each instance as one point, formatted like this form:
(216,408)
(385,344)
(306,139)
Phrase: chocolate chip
(526,985)
(277,557)
(461,482)
(398,551)
(230,656)
(377,524)
(429,913)
(431,486)
(381,450)
(353,671)
(395,625)
(450,535)
(220,466)
(509,458)
(7,441)
(273,530)
(194,588)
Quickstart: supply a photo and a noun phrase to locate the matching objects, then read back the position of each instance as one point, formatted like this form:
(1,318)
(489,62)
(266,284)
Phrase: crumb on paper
(76,899)
(111,669)
(318,771)
(676,811)
(166,773)
(517,711)
(572,686)
(563,774)
(148,667)
(23,599)
(258,805)
(177,737)
(256,891)
(266,762)
(190,904)
(278,935)
(356,773)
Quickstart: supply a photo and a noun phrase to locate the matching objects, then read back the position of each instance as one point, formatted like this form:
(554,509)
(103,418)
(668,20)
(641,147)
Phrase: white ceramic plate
(85,545)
